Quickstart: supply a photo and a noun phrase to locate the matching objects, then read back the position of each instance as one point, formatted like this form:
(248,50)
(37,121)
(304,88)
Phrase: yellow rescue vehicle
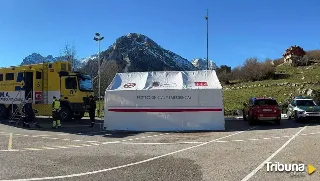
(41,82)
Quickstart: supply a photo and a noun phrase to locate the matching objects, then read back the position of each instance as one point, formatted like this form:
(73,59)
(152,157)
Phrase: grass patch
(234,99)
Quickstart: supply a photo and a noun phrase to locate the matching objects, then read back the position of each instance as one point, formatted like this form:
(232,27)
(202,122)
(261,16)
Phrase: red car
(261,109)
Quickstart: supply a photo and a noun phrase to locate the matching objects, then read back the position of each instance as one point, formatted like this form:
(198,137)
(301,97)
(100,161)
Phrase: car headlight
(301,112)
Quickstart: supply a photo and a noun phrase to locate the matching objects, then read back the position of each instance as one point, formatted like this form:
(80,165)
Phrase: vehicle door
(37,87)
(29,84)
(68,88)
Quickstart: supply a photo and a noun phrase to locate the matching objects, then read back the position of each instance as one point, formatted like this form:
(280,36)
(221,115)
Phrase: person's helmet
(54,97)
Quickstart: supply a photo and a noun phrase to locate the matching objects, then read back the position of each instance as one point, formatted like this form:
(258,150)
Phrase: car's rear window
(265,102)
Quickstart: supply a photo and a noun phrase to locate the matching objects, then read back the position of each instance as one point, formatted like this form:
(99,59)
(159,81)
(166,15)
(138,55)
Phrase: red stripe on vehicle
(166,110)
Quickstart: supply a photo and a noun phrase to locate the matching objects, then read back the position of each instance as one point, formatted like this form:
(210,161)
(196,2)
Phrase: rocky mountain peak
(201,64)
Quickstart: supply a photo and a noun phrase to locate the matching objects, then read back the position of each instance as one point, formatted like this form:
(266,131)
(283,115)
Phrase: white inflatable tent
(164,101)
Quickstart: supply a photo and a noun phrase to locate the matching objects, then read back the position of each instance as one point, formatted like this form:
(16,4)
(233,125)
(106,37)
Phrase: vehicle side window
(9,76)
(1,77)
(71,83)
(38,75)
(294,103)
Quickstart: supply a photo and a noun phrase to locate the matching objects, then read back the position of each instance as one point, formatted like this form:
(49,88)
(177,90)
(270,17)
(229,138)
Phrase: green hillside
(298,82)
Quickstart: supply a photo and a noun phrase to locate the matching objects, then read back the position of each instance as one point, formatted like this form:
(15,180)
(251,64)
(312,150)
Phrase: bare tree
(304,60)
(108,71)
(69,53)
(278,61)
(252,69)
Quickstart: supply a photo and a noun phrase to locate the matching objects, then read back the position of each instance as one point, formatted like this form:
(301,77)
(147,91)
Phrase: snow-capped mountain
(137,52)
(143,54)
(36,58)
(85,60)
(201,64)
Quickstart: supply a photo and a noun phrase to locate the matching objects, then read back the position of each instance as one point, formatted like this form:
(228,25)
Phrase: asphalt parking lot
(76,152)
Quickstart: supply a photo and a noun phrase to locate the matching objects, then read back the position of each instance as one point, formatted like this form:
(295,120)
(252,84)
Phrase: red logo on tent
(129,85)
(201,83)
(38,96)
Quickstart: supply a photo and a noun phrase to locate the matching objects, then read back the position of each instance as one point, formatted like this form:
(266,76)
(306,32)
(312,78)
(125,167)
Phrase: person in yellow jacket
(56,113)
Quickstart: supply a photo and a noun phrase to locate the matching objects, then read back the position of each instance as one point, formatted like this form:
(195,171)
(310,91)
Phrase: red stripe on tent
(166,110)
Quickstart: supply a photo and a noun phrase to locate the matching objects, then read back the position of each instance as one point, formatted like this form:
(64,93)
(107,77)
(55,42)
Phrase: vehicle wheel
(278,121)
(252,122)
(66,114)
(3,112)
(79,115)
(296,118)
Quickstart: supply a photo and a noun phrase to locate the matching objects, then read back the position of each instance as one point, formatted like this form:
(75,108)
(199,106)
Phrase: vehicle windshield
(266,102)
(305,103)
(85,83)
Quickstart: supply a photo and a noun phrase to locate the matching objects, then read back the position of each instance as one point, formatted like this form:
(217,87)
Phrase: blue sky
(237,29)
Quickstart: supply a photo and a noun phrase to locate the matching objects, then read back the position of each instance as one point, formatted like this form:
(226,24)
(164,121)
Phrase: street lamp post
(207,39)
(98,38)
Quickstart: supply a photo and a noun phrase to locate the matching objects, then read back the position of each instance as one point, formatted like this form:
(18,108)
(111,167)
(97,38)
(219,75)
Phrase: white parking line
(63,134)
(222,141)
(130,164)
(49,148)
(76,146)
(32,149)
(96,144)
(273,155)
(192,142)
(128,143)
(111,142)
(8,150)
(92,141)
(85,145)
(61,146)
